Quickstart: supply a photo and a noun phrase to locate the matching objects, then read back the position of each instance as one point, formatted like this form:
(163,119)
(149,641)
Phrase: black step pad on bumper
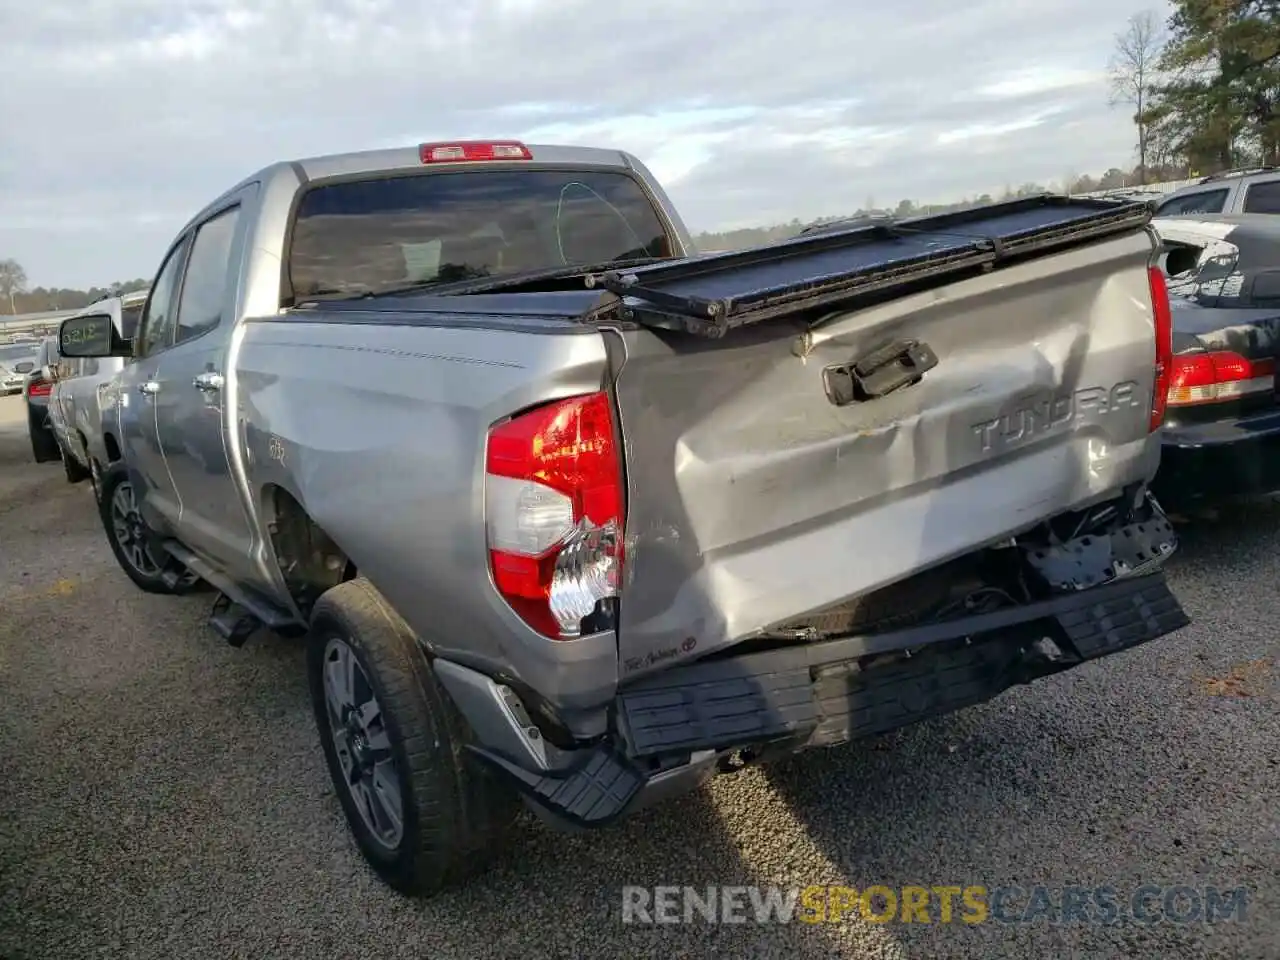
(817,691)
(596,791)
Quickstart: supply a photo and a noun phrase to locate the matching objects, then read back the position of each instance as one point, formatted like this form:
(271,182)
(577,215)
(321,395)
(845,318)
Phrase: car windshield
(369,236)
(17,352)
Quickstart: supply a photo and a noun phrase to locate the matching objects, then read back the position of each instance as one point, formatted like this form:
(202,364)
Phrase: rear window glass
(1206,201)
(371,235)
(1207,274)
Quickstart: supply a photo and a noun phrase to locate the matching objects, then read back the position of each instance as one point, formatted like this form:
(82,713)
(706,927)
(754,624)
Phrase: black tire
(44,445)
(72,467)
(95,479)
(152,578)
(452,810)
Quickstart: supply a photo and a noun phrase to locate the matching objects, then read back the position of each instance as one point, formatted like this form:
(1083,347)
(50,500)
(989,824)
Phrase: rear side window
(372,235)
(1206,201)
(1263,197)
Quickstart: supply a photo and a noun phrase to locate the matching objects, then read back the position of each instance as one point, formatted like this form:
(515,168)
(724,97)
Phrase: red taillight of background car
(1163,315)
(1218,376)
(39,388)
(554,513)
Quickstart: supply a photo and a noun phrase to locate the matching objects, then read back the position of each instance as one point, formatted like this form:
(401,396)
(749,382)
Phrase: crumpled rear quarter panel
(378,429)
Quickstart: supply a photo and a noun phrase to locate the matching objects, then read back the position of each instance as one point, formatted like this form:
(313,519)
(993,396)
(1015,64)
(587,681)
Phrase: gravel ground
(165,795)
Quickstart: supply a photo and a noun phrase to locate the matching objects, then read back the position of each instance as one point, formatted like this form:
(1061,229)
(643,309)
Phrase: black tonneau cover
(709,295)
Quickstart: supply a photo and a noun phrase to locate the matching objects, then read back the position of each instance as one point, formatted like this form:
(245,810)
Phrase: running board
(237,614)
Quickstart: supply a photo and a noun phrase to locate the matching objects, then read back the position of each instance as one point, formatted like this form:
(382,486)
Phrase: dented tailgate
(791,465)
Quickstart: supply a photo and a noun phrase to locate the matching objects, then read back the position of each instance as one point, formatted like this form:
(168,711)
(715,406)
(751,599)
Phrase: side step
(237,613)
(232,622)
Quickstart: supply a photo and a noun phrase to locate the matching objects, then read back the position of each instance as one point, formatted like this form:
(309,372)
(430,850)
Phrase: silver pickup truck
(577,518)
(83,389)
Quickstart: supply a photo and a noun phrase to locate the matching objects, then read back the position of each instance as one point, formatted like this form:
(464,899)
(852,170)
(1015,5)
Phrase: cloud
(122,117)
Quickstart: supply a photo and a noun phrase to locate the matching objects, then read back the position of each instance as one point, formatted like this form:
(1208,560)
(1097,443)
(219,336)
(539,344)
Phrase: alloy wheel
(363,746)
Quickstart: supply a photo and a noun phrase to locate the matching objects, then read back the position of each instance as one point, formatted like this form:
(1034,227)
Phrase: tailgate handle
(890,367)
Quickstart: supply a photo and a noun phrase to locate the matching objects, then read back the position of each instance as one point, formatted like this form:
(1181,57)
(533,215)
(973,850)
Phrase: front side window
(374,235)
(204,288)
(157,323)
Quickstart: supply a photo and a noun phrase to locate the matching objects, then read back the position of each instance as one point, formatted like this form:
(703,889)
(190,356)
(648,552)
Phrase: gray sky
(122,117)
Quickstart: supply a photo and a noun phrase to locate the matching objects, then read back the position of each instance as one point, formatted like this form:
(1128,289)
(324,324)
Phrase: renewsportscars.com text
(972,904)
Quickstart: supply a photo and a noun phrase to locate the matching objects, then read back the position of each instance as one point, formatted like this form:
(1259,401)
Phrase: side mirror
(92,335)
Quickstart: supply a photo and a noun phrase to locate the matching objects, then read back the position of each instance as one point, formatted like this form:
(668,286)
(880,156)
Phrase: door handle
(149,387)
(209,381)
(890,367)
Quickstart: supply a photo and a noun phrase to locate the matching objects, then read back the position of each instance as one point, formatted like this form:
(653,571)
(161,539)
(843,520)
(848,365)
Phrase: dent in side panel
(380,431)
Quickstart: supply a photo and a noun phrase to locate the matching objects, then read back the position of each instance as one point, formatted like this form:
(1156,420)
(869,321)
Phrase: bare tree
(1133,75)
(13,280)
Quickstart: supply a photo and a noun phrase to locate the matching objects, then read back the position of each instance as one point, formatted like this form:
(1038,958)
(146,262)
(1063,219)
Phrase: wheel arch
(309,559)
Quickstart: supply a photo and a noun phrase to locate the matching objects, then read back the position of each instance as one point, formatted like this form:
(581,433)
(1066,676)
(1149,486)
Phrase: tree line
(1070,183)
(1203,84)
(16,297)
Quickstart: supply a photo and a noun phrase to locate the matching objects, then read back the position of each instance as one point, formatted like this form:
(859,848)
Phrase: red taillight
(1164,344)
(554,512)
(39,388)
(464,151)
(1218,376)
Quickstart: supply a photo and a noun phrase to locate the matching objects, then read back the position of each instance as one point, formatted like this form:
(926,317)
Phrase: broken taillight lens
(554,514)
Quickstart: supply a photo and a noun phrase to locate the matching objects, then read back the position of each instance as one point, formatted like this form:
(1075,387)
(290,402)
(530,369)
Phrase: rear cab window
(366,236)
(1203,201)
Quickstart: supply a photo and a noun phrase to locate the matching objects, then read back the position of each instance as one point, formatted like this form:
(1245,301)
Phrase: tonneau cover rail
(709,295)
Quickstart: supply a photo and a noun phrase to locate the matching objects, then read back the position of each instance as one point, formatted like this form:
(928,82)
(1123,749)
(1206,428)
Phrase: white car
(16,361)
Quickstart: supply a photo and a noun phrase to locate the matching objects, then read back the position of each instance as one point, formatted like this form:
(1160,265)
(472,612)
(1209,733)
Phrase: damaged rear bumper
(673,730)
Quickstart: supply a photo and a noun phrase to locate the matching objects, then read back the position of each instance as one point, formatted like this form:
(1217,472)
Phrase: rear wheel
(75,471)
(131,540)
(422,812)
(44,445)
(95,478)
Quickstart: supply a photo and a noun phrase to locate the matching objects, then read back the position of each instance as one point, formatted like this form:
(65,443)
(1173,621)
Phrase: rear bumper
(1218,461)
(673,730)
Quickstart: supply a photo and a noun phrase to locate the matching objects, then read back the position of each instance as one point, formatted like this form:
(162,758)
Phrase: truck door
(191,415)
(140,392)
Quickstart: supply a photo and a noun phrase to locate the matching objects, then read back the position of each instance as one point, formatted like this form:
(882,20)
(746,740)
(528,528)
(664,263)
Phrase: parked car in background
(84,392)
(1221,438)
(37,385)
(576,518)
(1249,190)
(17,359)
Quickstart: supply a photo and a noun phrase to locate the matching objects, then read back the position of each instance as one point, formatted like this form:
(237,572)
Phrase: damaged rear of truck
(577,517)
(866,479)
